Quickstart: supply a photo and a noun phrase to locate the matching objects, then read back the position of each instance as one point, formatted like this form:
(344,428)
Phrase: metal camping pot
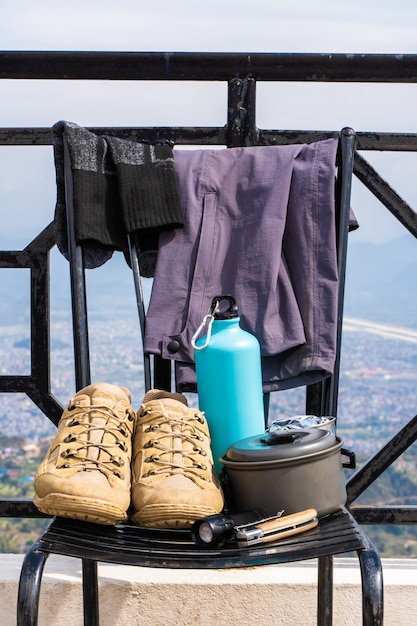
(287,471)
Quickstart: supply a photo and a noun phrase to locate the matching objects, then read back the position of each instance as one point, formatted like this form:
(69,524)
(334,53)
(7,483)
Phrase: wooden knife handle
(291,531)
(288,520)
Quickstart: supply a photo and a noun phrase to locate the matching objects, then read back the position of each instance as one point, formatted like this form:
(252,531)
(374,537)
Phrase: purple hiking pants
(259,225)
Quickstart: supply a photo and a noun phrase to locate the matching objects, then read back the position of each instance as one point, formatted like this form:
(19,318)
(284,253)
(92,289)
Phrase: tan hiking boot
(173,478)
(86,471)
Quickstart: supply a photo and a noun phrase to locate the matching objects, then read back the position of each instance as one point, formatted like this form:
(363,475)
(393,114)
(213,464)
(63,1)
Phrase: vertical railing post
(78,288)
(346,158)
(82,364)
(242,131)
(241,127)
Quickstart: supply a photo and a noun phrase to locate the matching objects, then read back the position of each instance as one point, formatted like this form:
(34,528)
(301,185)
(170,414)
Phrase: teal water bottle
(229,378)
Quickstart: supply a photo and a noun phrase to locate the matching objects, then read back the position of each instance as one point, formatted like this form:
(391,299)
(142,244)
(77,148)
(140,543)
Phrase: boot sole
(169,516)
(84,509)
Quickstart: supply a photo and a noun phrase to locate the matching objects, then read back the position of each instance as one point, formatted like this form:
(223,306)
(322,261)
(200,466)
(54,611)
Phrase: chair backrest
(321,398)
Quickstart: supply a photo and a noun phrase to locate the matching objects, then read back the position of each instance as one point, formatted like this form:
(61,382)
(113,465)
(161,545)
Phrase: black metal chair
(336,534)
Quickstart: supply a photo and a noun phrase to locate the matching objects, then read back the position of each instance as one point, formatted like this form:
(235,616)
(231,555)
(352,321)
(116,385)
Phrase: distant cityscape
(378,390)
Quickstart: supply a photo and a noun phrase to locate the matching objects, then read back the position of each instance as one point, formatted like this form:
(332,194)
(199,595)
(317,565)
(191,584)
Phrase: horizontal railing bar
(385,515)
(15,384)
(212,66)
(396,142)
(372,515)
(17,259)
(19,507)
(213,135)
(186,135)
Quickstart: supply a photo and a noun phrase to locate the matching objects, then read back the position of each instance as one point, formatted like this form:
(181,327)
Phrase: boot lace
(170,459)
(86,453)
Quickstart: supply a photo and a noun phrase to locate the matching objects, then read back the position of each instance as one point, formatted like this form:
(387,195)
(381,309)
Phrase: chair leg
(30,586)
(325,591)
(90,593)
(372,587)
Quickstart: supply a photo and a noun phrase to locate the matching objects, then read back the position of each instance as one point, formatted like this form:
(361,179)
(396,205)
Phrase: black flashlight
(214,530)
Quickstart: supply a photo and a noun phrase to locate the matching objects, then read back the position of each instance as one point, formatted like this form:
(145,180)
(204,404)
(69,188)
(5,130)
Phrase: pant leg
(259,226)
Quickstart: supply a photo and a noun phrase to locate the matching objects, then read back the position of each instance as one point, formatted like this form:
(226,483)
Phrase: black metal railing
(242,72)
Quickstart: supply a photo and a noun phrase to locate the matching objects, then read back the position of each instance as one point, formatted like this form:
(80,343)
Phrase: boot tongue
(159,394)
(106,390)
(98,422)
(177,456)
(181,447)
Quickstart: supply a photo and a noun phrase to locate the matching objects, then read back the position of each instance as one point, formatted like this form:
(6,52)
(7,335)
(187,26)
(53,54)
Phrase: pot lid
(281,445)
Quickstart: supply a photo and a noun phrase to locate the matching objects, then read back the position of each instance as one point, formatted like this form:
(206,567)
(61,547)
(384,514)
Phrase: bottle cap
(227,314)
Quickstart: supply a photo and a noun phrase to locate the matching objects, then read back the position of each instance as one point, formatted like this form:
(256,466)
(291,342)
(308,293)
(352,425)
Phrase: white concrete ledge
(261,596)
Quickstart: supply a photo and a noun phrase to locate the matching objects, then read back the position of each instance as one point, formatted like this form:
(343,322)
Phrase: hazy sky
(27,187)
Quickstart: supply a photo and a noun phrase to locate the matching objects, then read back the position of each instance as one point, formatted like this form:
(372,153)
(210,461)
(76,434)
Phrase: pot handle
(351,463)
